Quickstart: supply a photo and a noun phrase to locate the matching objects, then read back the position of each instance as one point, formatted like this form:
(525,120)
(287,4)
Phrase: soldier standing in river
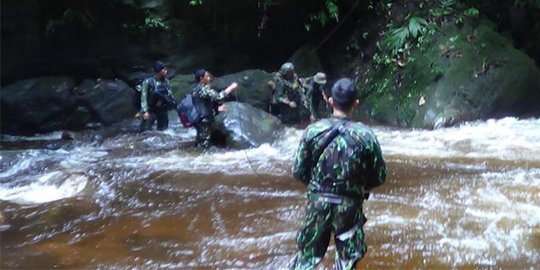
(156,99)
(313,94)
(286,95)
(340,161)
(207,100)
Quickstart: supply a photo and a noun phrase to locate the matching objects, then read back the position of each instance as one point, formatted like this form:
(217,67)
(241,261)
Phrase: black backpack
(188,111)
(162,94)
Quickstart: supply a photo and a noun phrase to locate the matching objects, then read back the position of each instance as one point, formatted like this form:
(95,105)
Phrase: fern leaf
(416,26)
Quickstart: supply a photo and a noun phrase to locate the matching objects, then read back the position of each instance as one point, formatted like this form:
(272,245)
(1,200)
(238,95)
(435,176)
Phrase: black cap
(344,91)
(199,74)
(158,66)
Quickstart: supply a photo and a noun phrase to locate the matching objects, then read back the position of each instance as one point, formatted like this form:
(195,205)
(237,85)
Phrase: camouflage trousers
(204,133)
(159,115)
(344,219)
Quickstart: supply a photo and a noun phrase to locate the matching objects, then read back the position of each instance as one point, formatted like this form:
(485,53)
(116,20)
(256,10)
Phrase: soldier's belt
(333,198)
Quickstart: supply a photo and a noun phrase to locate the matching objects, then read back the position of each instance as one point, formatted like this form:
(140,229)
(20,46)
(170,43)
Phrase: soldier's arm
(377,167)
(302,161)
(211,94)
(170,92)
(309,98)
(144,95)
(281,96)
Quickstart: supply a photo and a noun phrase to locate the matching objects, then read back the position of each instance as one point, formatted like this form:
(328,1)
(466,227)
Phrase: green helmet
(288,66)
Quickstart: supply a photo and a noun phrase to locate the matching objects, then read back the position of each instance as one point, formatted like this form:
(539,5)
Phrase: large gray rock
(37,105)
(465,73)
(110,101)
(54,103)
(478,83)
(243,126)
(252,86)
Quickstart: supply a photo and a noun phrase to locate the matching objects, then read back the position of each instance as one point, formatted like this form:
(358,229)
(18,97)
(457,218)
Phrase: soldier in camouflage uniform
(287,96)
(156,99)
(313,94)
(340,161)
(206,100)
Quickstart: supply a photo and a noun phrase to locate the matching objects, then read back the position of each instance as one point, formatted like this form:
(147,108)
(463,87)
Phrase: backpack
(156,93)
(188,110)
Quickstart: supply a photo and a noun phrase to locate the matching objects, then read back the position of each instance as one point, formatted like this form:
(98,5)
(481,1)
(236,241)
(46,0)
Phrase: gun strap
(328,138)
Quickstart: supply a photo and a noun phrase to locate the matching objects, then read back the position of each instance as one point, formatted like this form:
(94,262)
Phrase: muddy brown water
(454,198)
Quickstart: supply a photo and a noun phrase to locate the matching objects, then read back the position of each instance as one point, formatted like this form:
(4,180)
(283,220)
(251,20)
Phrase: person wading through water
(207,100)
(156,99)
(286,103)
(340,161)
(313,94)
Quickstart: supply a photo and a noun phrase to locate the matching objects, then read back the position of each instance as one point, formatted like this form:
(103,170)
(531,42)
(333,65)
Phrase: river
(465,197)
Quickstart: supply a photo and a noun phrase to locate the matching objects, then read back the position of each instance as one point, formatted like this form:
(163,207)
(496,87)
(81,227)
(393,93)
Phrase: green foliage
(397,38)
(195,2)
(447,4)
(71,16)
(153,21)
(472,12)
(330,11)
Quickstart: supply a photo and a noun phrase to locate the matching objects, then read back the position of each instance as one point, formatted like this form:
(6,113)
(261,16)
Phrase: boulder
(464,73)
(37,105)
(252,87)
(243,126)
(485,77)
(54,103)
(109,101)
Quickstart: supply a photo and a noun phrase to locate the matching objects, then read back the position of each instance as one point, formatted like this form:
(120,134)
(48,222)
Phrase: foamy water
(467,195)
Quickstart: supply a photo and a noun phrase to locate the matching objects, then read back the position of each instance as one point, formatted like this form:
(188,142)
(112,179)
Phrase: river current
(464,197)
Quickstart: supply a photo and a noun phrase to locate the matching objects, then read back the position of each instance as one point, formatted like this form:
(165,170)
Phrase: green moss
(444,64)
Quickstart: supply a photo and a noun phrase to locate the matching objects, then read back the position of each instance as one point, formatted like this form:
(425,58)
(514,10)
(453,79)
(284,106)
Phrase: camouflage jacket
(285,89)
(309,92)
(208,98)
(148,86)
(350,165)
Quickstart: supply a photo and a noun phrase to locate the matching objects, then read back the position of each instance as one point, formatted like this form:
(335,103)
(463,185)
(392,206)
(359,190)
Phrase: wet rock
(243,126)
(466,73)
(37,105)
(109,101)
(252,87)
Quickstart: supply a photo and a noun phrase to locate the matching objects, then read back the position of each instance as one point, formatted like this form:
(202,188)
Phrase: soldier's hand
(222,108)
(292,104)
(231,88)
(146,115)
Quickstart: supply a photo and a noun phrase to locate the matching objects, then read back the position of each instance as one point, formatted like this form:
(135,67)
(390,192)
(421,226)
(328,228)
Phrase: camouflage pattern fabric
(203,136)
(313,97)
(208,98)
(287,90)
(156,107)
(146,93)
(162,121)
(323,218)
(351,165)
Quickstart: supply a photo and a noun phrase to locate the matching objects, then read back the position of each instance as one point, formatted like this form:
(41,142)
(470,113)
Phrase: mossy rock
(464,73)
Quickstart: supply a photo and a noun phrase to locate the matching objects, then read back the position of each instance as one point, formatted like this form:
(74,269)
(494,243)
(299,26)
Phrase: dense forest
(393,48)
